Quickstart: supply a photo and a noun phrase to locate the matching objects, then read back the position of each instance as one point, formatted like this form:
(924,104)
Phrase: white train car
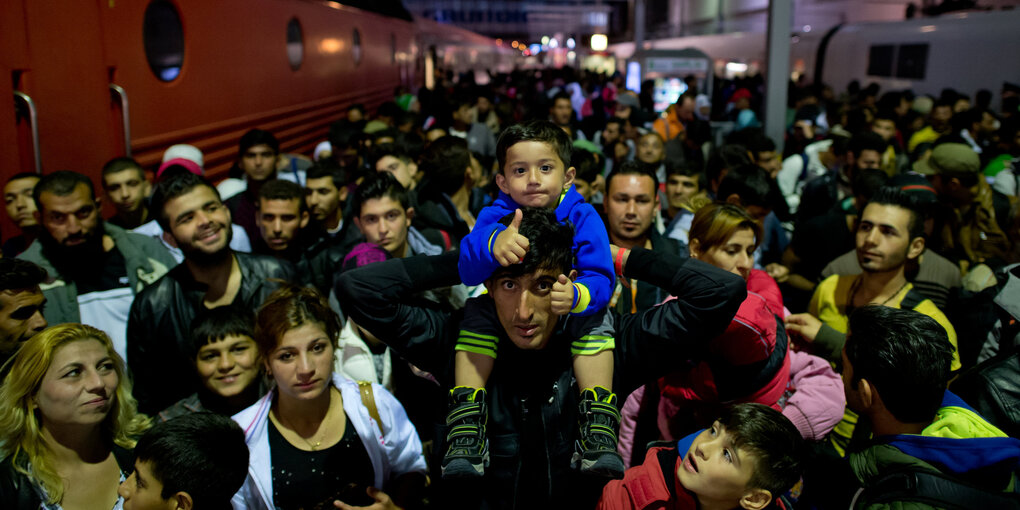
(967,51)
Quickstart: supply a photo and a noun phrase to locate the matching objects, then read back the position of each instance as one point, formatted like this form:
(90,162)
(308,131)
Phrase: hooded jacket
(959,443)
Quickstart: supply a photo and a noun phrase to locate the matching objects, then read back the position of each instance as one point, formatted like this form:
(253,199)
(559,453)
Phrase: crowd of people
(536,292)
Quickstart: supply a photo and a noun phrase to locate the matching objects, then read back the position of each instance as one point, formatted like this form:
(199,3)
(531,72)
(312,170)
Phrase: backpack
(931,488)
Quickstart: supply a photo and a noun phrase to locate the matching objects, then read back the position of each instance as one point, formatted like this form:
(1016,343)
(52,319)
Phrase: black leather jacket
(533,413)
(159,327)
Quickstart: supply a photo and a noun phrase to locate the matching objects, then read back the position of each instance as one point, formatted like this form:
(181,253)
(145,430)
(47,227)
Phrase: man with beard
(189,208)
(95,268)
(890,235)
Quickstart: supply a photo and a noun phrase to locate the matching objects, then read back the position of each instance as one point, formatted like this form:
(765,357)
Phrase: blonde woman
(67,422)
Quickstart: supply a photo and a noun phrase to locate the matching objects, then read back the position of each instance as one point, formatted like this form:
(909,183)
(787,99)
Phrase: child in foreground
(192,462)
(748,458)
(534,172)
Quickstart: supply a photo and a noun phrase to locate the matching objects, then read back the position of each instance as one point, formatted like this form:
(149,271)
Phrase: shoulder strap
(912,299)
(368,400)
(934,489)
(804,169)
(446,240)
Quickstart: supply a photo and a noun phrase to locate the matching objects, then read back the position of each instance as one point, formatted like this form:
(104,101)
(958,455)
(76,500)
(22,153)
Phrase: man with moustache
(95,268)
(212,275)
(890,235)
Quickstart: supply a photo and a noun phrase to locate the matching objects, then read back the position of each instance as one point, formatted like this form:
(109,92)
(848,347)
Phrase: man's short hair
(213,325)
(905,355)
(257,137)
(172,185)
(633,168)
(388,149)
(280,189)
(867,140)
(61,184)
(202,454)
(559,95)
(327,169)
(757,142)
(891,195)
(776,444)
(585,165)
(379,185)
(867,182)
(22,175)
(117,165)
(728,156)
(749,182)
(551,244)
(535,131)
(966,119)
(18,274)
(445,162)
(620,123)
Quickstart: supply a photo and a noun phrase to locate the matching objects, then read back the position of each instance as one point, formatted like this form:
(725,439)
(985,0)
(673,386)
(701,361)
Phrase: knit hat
(916,186)
(190,165)
(951,158)
(364,254)
(183,150)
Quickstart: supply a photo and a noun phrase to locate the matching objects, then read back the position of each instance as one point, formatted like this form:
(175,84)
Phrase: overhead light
(545,40)
(571,43)
(599,42)
(736,67)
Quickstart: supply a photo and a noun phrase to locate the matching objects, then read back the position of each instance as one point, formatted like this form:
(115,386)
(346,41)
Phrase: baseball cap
(740,94)
(953,158)
(188,164)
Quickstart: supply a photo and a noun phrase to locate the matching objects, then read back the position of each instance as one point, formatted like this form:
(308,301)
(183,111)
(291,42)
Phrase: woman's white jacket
(393,453)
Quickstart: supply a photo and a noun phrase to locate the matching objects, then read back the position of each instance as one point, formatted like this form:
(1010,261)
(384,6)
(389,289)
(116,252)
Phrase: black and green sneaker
(599,422)
(467,452)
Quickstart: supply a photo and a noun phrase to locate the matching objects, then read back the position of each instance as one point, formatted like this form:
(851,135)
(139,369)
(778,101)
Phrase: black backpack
(935,489)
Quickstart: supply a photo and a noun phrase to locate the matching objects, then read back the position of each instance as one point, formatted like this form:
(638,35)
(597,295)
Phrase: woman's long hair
(20,421)
(715,223)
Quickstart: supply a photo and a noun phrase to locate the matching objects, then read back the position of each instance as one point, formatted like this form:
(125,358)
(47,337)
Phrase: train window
(880,60)
(163,38)
(356,47)
(912,61)
(295,44)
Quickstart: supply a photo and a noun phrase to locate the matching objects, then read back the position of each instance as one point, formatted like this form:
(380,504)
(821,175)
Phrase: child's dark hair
(218,323)
(534,131)
(202,454)
(551,243)
(776,444)
(585,165)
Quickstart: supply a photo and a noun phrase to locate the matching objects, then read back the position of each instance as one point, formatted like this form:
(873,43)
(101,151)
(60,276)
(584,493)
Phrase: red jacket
(644,487)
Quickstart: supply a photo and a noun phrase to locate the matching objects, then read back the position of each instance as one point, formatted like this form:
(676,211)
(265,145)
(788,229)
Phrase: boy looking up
(748,458)
(534,173)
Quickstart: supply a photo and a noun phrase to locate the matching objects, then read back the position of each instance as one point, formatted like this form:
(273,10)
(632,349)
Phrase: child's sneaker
(467,453)
(599,421)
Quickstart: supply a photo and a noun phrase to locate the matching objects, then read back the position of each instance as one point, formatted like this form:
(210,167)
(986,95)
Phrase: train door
(58,113)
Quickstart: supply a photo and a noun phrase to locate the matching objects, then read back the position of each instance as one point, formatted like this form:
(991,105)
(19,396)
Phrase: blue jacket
(595,275)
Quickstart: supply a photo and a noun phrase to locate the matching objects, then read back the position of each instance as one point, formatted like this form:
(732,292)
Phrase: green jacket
(146,259)
(958,443)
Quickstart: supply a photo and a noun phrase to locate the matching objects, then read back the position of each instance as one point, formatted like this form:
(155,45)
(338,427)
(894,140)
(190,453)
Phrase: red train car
(91,80)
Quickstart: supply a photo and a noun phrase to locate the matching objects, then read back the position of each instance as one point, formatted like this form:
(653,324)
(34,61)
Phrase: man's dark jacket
(159,327)
(533,396)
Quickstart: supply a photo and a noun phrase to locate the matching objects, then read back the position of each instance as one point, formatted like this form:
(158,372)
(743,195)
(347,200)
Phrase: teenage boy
(126,187)
(534,172)
(194,462)
(226,364)
(747,459)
